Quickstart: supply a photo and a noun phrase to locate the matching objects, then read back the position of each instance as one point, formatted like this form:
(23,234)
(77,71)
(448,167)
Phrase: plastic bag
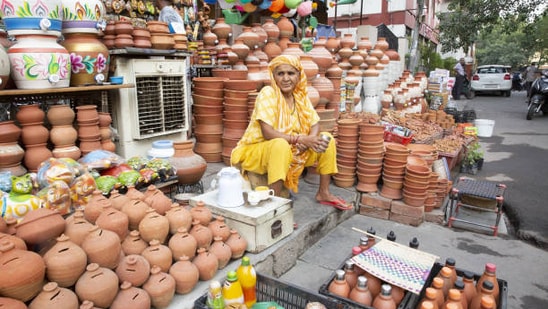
(99,159)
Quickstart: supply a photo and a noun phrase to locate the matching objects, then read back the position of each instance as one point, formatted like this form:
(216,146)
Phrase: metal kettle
(230,188)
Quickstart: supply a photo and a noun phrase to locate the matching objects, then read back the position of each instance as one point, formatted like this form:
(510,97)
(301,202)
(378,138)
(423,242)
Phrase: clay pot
(178,217)
(158,254)
(207,264)
(22,272)
(286,27)
(221,250)
(156,199)
(54,297)
(131,297)
(133,243)
(221,29)
(271,29)
(94,206)
(18,242)
(154,26)
(40,225)
(98,284)
(189,165)
(118,200)
(186,275)
(272,49)
(86,113)
(102,247)
(134,194)
(134,269)
(161,288)
(209,38)
(182,244)
(35,155)
(136,210)
(86,304)
(6,302)
(63,135)
(113,220)
(65,262)
(237,244)
(30,115)
(202,234)
(154,226)
(9,132)
(218,227)
(201,213)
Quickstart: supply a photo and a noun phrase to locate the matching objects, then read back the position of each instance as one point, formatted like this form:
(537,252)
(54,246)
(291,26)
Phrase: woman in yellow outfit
(283,136)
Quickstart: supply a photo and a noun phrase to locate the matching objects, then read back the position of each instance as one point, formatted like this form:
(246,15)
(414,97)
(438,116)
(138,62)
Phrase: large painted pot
(39,62)
(32,16)
(89,58)
(83,16)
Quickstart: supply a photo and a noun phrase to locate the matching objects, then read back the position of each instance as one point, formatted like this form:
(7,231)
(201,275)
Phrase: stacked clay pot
(106,133)
(63,135)
(394,166)
(347,157)
(371,147)
(11,154)
(235,118)
(415,185)
(34,135)
(89,133)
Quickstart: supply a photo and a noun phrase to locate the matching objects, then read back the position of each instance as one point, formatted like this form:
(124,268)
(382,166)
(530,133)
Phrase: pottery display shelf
(148,52)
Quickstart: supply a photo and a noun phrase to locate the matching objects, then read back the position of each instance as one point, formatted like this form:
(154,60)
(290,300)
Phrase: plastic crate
(414,300)
(285,294)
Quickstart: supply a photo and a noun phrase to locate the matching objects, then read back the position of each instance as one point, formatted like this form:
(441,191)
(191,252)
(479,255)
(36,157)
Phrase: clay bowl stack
(415,185)
(395,161)
(208,98)
(251,97)
(425,152)
(370,156)
(431,192)
(347,157)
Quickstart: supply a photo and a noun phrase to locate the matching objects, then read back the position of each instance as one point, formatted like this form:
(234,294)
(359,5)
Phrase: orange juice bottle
(248,279)
(232,290)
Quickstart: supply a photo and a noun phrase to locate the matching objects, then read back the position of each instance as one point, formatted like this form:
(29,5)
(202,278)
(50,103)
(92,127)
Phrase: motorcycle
(538,96)
(518,84)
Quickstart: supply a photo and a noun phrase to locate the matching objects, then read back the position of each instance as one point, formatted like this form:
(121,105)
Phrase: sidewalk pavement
(324,237)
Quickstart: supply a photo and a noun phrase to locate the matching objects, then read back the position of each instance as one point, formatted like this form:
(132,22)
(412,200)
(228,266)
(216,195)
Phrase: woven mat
(397,264)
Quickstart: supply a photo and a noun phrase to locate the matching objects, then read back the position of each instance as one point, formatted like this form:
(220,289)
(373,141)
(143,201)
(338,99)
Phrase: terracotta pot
(201,213)
(94,206)
(271,29)
(218,227)
(155,26)
(133,243)
(221,250)
(186,275)
(65,262)
(158,254)
(60,114)
(333,44)
(182,244)
(18,242)
(161,288)
(98,284)
(136,211)
(134,194)
(134,269)
(30,114)
(6,302)
(237,244)
(189,165)
(86,113)
(40,225)
(22,272)
(54,297)
(92,54)
(221,29)
(286,27)
(249,38)
(102,247)
(113,220)
(9,132)
(178,217)
(157,199)
(207,264)
(63,135)
(154,226)
(201,233)
(132,297)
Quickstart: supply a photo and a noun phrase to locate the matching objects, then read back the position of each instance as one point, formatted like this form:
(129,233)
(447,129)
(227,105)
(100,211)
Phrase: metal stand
(477,195)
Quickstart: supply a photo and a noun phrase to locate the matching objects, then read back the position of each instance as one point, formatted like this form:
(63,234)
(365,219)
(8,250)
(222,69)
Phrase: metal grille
(160,105)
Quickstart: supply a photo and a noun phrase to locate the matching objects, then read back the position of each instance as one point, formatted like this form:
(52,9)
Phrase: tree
(460,27)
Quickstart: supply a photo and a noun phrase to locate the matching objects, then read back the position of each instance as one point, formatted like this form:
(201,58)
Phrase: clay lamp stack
(347,157)
(207,96)
(370,156)
(415,185)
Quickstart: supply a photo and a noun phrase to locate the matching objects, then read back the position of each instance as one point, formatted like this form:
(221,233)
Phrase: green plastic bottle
(232,290)
(248,279)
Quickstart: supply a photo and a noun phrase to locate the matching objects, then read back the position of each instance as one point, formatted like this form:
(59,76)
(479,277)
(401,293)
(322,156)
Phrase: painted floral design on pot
(83,16)
(34,16)
(89,58)
(39,62)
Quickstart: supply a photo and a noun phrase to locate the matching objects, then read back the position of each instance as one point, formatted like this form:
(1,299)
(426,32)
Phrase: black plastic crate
(285,294)
(414,300)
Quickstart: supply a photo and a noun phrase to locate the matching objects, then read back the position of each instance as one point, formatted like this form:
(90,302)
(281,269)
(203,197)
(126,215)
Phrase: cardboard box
(262,225)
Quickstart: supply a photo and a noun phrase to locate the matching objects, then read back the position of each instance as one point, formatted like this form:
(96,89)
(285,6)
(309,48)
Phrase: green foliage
(473,153)
(499,47)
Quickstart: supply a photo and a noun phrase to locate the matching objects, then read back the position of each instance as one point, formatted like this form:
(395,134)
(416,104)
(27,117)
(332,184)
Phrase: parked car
(492,78)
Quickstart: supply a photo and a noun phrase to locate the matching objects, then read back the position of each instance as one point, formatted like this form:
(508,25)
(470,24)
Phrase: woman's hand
(316,143)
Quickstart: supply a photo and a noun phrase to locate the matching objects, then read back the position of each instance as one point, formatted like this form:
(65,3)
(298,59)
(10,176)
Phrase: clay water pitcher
(350,274)
(130,296)
(65,262)
(156,199)
(154,226)
(360,293)
(201,213)
(22,272)
(158,254)
(136,210)
(98,285)
(102,247)
(186,275)
(178,217)
(202,234)
(237,244)
(134,269)
(384,299)
(218,227)
(221,250)
(161,288)
(207,264)
(230,193)
(54,297)
(113,220)
(133,243)
(339,286)
(189,165)
(182,243)
(94,206)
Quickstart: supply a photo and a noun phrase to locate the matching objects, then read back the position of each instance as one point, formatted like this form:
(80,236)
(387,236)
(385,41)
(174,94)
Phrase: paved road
(516,156)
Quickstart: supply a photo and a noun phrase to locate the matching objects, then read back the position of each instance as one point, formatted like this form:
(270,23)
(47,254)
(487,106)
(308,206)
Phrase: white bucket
(485,127)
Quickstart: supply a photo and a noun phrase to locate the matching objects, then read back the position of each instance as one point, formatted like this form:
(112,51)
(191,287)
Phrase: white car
(492,78)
